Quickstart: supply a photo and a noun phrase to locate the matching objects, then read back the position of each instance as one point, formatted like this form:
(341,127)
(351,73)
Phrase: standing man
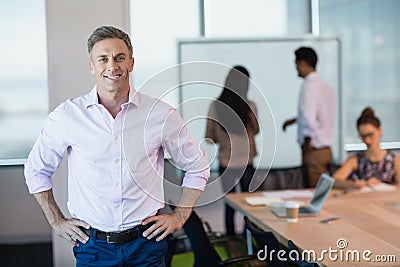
(315,116)
(115,139)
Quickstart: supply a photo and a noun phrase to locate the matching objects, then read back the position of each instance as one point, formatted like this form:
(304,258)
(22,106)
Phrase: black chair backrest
(283,178)
(299,261)
(203,251)
(333,167)
(265,241)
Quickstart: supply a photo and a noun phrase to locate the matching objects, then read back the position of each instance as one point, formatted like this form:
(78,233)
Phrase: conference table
(367,234)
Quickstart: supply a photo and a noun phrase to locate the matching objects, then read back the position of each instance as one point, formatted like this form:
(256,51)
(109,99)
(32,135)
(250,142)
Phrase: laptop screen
(321,192)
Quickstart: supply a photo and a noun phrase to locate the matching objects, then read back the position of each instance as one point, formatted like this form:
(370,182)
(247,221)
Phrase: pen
(354,176)
(331,220)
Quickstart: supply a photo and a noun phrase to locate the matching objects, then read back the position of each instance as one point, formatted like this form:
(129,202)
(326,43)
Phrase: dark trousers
(139,253)
(230,177)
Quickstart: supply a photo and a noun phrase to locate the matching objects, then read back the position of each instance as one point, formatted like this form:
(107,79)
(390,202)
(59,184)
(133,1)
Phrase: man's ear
(132,64)
(91,67)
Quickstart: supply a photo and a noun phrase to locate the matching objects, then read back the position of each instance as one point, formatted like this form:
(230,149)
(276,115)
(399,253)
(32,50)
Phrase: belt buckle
(108,235)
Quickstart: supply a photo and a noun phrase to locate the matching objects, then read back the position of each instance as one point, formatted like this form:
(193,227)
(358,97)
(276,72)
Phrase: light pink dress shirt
(316,117)
(115,166)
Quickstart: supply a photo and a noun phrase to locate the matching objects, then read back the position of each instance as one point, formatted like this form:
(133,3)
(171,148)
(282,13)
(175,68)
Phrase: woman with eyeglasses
(375,165)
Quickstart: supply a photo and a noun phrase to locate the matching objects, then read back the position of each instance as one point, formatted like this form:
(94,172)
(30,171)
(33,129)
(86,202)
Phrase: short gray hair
(106,32)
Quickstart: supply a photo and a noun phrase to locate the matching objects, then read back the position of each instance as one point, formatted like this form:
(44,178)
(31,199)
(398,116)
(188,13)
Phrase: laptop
(320,195)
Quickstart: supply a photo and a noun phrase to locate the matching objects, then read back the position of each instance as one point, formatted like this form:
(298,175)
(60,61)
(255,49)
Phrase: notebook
(378,187)
(262,201)
(320,195)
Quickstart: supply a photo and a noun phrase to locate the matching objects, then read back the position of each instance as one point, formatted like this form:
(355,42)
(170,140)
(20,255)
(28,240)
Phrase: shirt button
(116,160)
(116,137)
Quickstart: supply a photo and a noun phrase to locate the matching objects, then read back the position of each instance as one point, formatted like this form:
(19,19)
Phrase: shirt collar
(133,96)
(93,98)
(311,75)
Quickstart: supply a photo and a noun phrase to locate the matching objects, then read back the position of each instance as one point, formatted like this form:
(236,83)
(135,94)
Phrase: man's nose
(112,65)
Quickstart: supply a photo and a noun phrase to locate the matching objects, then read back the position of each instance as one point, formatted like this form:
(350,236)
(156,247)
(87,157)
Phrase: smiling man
(114,195)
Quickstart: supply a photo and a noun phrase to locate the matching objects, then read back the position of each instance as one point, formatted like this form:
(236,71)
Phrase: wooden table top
(370,224)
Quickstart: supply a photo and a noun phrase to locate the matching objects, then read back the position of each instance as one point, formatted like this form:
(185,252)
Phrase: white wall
(69,24)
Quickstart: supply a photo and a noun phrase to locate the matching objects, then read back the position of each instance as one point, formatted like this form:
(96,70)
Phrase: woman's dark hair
(368,117)
(232,107)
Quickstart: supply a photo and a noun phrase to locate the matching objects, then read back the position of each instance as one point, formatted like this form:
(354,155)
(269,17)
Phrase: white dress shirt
(316,112)
(115,166)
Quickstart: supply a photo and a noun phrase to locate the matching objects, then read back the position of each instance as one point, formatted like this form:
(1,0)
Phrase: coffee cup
(292,211)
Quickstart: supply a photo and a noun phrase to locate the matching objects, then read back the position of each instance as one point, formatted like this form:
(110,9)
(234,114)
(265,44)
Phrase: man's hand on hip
(164,224)
(307,145)
(69,229)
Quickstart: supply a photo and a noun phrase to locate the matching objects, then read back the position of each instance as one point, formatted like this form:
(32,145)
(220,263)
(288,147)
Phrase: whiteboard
(271,63)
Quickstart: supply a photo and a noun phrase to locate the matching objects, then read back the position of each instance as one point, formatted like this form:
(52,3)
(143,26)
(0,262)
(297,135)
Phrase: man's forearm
(49,207)
(65,228)
(188,200)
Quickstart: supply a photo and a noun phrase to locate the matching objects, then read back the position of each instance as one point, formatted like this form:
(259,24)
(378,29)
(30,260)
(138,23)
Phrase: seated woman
(375,165)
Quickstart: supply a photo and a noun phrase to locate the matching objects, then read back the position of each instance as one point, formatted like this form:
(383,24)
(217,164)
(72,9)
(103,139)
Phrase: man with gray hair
(115,138)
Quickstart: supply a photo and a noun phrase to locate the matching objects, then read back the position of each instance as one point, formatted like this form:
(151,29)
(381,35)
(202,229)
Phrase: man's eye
(103,60)
(120,58)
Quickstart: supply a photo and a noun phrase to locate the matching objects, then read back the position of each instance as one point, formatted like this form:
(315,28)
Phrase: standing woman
(232,123)
(375,165)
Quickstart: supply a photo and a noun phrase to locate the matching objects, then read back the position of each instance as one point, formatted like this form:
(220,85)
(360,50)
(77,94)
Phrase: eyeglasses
(367,135)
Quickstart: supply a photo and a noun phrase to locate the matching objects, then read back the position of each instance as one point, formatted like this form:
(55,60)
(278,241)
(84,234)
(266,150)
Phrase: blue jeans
(139,253)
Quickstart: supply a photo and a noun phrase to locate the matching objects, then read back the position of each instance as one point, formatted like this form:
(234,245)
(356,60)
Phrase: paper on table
(262,201)
(378,187)
(288,194)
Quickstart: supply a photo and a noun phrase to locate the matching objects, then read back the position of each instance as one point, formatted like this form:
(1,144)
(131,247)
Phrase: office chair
(269,240)
(299,262)
(333,167)
(265,240)
(283,178)
(204,247)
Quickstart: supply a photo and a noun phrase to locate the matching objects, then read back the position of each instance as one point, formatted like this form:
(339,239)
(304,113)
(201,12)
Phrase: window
(241,18)
(23,77)
(369,30)
(156,25)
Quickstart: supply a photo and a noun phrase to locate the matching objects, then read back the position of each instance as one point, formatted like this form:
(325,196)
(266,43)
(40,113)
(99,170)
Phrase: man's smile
(113,77)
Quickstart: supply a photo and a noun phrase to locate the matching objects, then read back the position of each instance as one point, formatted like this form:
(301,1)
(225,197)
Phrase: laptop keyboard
(305,210)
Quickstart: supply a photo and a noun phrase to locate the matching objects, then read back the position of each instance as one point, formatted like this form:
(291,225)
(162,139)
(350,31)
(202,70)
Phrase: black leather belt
(320,148)
(120,236)
(314,148)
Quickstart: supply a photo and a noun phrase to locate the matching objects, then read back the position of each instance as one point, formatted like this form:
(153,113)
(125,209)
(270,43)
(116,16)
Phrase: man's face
(111,64)
(299,64)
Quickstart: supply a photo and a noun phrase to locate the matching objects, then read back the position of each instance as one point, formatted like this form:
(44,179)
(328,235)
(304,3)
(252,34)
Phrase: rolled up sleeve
(46,154)
(186,152)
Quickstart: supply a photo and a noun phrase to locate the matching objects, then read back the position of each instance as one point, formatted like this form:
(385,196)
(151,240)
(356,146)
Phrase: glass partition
(23,77)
